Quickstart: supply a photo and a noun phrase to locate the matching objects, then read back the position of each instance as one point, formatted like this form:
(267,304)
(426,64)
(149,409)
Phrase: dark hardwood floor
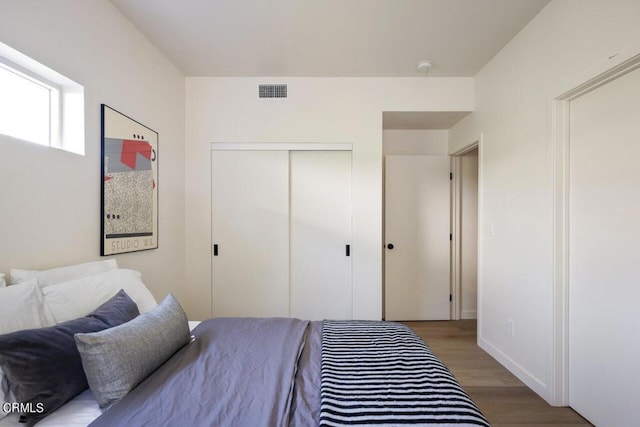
(501,397)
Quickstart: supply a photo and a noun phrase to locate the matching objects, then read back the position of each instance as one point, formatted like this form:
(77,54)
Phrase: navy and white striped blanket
(382,373)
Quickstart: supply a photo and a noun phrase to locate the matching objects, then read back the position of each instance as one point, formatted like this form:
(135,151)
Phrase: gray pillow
(118,359)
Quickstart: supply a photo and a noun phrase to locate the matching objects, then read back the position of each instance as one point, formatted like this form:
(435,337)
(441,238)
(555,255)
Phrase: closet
(281,231)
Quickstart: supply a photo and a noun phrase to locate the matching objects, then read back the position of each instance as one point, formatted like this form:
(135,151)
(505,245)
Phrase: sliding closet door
(250,226)
(320,235)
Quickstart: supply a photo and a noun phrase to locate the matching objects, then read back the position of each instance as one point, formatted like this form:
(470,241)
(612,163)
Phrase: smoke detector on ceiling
(424,66)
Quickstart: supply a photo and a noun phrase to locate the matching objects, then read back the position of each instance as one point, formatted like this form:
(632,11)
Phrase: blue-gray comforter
(237,372)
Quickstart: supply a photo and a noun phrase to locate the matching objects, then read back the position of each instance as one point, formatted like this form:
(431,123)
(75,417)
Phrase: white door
(321,235)
(604,253)
(250,226)
(417,224)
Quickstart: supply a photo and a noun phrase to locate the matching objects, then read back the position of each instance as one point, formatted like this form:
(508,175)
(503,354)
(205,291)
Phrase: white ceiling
(321,38)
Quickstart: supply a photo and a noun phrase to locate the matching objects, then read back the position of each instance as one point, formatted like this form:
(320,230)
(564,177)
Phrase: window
(28,108)
(39,105)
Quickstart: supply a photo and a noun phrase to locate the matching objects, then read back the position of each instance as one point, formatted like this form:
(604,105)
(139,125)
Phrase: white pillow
(21,307)
(62,274)
(6,396)
(76,298)
(2,281)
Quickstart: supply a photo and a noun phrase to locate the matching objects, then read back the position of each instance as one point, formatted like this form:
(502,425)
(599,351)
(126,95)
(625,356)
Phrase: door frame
(456,231)
(615,66)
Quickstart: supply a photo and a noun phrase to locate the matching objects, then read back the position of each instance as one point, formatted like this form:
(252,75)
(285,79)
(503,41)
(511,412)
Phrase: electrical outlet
(511,327)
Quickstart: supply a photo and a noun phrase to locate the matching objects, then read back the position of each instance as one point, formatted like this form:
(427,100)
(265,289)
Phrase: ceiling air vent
(272,91)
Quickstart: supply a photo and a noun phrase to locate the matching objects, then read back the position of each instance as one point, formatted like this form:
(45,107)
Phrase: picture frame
(129,188)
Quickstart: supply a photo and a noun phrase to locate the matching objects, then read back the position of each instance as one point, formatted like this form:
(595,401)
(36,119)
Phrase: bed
(222,371)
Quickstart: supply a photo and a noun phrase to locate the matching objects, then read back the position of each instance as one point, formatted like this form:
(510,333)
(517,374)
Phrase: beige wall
(324,110)
(561,48)
(49,198)
(415,141)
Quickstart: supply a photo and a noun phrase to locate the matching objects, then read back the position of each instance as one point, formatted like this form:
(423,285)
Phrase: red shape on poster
(130,150)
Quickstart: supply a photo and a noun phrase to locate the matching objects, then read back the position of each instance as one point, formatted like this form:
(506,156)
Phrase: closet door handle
(390,246)
(215,249)
(348,252)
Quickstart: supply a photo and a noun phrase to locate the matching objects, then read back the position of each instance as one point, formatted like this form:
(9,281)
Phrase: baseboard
(469,314)
(531,381)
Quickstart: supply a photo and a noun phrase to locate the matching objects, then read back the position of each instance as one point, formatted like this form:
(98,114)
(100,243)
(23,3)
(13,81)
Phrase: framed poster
(129,185)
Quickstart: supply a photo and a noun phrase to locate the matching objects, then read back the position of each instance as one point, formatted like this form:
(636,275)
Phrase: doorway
(464,248)
(424,143)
